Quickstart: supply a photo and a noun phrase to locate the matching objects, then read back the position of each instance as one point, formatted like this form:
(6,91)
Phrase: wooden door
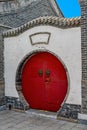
(44,82)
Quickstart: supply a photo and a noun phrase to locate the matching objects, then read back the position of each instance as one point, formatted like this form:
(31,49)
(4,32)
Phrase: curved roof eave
(48,20)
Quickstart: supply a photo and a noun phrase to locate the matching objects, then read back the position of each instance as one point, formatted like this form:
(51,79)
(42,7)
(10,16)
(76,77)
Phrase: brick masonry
(2,94)
(69,111)
(1,58)
(83,4)
(2,99)
(2,86)
(24,15)
(15,103)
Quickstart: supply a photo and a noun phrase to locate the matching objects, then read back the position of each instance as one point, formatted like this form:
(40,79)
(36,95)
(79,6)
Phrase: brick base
(84,97)
(69,111)
(15,103)
(2,97)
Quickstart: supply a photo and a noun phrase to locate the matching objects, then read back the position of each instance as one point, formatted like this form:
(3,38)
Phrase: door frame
(18,77)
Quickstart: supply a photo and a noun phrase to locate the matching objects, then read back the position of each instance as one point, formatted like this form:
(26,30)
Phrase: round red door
(44,82)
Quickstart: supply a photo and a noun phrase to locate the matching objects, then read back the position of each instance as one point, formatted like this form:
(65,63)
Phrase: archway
(44,81)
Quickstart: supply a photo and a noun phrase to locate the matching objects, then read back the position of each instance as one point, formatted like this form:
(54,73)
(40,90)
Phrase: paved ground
(11,120)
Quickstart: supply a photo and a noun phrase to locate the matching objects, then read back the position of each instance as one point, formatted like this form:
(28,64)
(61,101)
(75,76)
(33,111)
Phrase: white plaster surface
(38,38)
(65,43)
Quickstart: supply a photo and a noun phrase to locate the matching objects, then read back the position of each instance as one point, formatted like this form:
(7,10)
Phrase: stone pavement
(14,120)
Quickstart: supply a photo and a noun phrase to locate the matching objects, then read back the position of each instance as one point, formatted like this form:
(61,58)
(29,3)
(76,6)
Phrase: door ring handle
(48,72)
(40,72)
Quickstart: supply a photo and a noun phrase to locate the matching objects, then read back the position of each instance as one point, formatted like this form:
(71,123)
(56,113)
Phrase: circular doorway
(44,82)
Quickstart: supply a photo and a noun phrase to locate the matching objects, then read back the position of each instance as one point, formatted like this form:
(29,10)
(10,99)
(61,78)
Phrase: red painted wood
(44,91)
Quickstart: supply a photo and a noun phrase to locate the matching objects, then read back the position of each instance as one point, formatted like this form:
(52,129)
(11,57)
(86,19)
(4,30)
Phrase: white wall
(65,43)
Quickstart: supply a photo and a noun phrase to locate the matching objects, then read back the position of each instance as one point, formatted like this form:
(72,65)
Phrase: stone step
(42,113)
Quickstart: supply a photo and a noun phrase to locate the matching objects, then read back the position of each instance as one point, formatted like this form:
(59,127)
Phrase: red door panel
(33,84)
(44,82)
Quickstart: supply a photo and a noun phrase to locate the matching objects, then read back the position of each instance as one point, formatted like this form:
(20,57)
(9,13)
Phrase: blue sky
(70,8)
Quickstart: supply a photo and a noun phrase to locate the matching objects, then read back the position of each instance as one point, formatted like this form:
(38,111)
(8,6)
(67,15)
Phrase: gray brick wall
(2,86)
(2,94)
(1,72)
(1,58)
(83,4)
